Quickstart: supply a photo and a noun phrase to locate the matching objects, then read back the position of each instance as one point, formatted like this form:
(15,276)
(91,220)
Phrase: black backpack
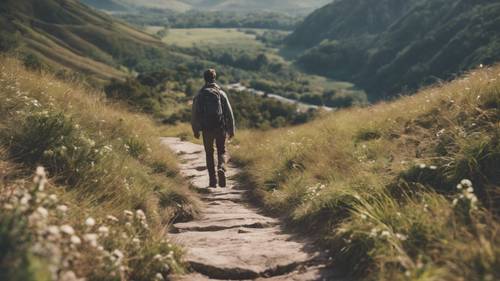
(211,107)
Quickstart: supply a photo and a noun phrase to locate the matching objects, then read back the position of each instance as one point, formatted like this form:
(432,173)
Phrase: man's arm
(195,117)
(228,115)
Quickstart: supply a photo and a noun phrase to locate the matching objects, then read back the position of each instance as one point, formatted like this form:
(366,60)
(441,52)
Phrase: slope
(107,190)
(406,190)
(69,35)
(392,46)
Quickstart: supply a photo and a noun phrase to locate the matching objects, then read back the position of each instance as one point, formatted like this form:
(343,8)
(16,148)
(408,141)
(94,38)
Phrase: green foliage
(212,19)
(14,253)
(387,48)
(32,62)
(54,141)
(252,111)
(9,40)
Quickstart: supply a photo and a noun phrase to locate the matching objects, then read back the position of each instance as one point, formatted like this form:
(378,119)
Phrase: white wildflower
(470,189)
(385,233)
(460,186)
(67,229)
(128,214)
(91,238)
(112,218)
(90,222)
(62,208)
(53,198)
(140,215)
(466,182)
(118,255)
(159,277)
(455,202)
(43,212)
(25,199)
(103,230)
(75,240)
(401,237)
(69,276)
(432,167)
(422,166)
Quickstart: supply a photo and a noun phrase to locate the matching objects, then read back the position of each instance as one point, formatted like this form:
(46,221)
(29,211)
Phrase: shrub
(32,62)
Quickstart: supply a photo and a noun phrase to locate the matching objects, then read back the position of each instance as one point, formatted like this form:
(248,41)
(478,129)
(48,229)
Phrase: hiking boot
(222,178)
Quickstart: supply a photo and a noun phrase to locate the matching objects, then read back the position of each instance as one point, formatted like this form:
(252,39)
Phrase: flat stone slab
(232,240)
(313,273)
(245,253)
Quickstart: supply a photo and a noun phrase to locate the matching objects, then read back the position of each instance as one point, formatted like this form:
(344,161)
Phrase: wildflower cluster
(313,191)
(466,198)
(65,247)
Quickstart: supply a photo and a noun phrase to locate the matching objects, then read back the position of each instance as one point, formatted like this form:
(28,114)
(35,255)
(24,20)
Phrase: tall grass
(402,190)
(108,193)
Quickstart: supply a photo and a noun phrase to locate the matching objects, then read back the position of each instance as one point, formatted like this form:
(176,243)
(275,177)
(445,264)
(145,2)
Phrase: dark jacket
(196,122)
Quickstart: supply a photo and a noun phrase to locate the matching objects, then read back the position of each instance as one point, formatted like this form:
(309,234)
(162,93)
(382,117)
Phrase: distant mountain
(68,35)
(389,46)
(287,6)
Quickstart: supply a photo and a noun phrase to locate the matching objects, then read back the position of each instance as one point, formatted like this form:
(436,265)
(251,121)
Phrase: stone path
(234,241)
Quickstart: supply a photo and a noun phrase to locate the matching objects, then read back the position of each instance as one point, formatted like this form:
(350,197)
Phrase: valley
(367,140)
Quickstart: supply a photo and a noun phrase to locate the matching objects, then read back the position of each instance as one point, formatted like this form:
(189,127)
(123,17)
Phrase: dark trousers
(219,138)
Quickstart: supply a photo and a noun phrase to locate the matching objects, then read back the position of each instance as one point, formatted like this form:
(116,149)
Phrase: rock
(232,240)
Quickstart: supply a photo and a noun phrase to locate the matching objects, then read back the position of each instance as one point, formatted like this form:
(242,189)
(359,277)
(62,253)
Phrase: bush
(32,62)
(54,141)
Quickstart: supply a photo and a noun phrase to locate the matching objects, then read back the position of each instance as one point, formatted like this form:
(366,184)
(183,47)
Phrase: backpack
(211,107)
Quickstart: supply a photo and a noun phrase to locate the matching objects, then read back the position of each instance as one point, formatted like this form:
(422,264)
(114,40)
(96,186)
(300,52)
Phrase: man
(212,115)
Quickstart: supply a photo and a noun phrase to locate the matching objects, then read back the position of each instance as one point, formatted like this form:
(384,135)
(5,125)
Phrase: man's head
(210,75)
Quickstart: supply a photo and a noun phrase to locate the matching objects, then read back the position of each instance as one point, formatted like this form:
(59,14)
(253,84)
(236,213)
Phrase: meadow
(402,190)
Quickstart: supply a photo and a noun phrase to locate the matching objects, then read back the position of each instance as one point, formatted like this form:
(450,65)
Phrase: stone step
(243,253)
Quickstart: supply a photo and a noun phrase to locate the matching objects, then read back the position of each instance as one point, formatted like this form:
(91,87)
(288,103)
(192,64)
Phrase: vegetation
(211,19)
(405,190)
(76,38)
(388,47)
(163,95)
(103,193)
(298,7)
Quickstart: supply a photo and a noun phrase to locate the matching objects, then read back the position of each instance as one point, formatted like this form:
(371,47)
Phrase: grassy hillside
(67,35)
(107,191)
(390,46)
(406,190)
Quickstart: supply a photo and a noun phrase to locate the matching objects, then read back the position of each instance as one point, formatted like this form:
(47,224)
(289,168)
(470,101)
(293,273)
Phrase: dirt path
(232,240)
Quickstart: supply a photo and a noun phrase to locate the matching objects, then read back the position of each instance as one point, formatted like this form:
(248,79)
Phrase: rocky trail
(233,240)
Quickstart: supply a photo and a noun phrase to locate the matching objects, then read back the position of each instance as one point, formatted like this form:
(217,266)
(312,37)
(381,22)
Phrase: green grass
(100,160)
(378,185)
(212,37)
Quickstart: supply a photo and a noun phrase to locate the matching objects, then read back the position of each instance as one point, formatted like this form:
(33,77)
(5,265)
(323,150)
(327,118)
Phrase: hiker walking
(213,117)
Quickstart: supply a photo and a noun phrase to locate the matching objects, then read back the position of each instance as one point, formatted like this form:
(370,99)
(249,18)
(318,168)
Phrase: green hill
(69,35)
(391,46)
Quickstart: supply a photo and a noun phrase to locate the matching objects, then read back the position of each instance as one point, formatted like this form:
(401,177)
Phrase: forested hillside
(391,46)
